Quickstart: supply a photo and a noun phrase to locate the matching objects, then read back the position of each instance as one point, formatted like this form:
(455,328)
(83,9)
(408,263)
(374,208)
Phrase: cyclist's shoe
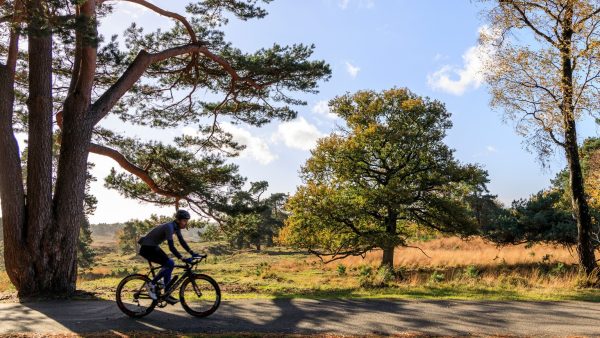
(151,290)
(171,300)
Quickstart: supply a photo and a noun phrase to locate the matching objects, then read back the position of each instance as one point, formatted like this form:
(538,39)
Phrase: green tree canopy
(60,79)
(547,215)
(386,169)
(540,218)
(254,220)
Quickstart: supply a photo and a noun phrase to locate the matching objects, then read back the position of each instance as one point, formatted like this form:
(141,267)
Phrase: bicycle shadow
(290,316)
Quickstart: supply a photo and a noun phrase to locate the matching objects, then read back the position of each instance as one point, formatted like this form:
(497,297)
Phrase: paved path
(353,317)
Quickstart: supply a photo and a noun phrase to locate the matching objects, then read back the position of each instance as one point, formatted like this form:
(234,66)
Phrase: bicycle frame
(177,279)
(189,275)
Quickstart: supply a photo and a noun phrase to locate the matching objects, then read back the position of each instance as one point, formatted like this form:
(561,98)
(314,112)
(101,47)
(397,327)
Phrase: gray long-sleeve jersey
(164,232)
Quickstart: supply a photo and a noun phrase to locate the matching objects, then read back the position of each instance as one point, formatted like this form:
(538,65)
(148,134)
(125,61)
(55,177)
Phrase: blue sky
(428,46)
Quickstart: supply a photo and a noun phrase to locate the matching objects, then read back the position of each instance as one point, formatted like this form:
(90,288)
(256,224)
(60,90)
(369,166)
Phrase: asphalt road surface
(338,316)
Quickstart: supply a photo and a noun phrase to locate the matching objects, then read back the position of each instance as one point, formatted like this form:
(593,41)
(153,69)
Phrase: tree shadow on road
(313,316)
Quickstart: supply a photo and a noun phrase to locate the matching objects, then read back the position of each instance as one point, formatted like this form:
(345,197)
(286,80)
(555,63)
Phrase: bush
(471,271)
(399,273)
(365,278)
(384,275)
(559,269)
(272,276)
(262,268)
(341,270)
(365,270)
(437,277)
(512,280)
(588,281)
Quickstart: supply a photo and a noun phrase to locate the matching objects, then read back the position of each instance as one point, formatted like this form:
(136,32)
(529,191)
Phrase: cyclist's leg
(155,255)
(167,270)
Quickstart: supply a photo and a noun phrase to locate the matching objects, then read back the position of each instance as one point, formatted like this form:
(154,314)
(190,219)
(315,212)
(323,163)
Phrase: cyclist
(151,250)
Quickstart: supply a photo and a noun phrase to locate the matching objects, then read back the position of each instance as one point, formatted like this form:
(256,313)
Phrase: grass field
(451,269)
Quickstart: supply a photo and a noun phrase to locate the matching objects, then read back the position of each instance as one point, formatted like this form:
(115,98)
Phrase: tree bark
(68,199)
(42,255)
(76,134)
(39,155)
(388,256)
(389,245)
(585,249)
(12,192)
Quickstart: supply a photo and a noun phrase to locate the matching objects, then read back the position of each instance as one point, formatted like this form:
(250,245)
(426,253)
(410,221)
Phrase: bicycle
(199,294)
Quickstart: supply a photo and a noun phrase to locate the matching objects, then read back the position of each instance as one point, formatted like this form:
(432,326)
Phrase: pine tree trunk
(68,202)
(12,192)
(39,155)
(41,237)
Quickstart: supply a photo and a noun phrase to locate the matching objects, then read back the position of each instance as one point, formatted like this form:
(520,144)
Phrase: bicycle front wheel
(200,295)
(133,298)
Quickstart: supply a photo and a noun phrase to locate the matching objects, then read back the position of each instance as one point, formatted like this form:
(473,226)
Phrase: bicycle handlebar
(195,260)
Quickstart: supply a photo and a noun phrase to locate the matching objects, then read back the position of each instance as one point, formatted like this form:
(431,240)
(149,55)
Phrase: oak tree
(369,183)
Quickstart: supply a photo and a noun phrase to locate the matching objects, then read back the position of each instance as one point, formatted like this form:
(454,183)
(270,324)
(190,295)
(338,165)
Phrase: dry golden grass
(452,269)
(455,252)
(476,263)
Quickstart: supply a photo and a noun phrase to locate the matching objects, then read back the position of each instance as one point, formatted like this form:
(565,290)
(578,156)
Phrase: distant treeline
(106,229)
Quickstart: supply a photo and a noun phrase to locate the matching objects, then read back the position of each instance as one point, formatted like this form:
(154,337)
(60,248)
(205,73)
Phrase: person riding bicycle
(150,249)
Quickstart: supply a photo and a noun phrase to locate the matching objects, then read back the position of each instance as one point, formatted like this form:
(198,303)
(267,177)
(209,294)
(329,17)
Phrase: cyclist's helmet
(182,214)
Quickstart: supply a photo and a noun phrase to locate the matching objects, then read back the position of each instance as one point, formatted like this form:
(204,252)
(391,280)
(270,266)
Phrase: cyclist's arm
(183,242)
(173,249)
(170,229)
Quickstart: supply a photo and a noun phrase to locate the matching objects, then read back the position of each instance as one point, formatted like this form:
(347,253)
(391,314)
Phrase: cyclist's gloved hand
(188,260)
(196,255)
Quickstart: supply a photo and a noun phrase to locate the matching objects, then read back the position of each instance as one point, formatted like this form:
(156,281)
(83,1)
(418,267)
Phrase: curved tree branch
(523,17)
(143,60)
(586,18)
(141,173)
(87,52)
(166,13)
(133,169)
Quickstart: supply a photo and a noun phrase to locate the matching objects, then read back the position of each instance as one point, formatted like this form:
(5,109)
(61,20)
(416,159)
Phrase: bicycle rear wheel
(133,298)
(200,295)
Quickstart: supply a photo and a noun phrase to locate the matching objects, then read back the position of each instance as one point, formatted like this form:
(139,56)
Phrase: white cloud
(343,4)
(322,108)
(491,149)
(456,80)
(131,9)
(297,134)
(352,69)
(256,148)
